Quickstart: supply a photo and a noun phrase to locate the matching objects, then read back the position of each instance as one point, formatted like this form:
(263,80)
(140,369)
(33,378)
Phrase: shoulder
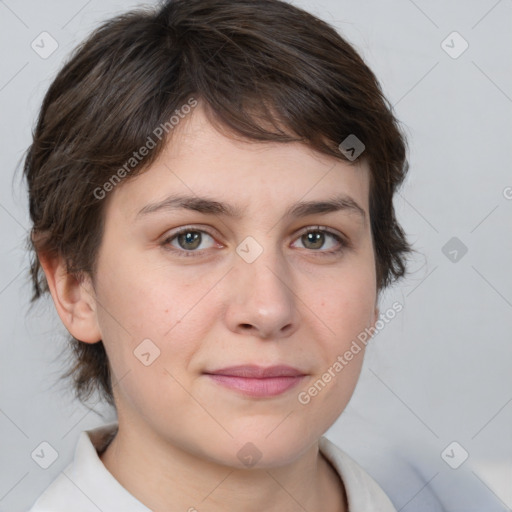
(86,485)
(57,496)
(363,493)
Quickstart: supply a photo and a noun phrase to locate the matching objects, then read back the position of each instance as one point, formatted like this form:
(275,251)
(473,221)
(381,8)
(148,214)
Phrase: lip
(258,381)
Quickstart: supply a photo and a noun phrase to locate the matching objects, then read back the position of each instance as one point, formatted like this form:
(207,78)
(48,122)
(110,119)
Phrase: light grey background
(441,370)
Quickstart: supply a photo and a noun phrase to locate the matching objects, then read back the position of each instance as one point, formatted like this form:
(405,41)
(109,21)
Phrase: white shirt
(86,485)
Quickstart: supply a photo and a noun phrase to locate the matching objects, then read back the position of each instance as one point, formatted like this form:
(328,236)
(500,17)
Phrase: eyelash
(343,242)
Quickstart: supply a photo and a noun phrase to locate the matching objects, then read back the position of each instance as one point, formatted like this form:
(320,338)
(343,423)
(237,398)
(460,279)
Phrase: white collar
(363,492)
(86,485)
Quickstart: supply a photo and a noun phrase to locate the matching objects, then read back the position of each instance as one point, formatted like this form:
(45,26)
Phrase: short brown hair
(263,69)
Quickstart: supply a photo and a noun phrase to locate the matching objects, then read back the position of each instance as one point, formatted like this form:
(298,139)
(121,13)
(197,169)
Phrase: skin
(179,432)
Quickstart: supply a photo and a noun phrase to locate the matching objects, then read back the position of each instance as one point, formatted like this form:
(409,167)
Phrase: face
(260,277)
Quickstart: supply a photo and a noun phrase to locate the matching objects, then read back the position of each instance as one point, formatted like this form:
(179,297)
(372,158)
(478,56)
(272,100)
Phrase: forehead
(199,160)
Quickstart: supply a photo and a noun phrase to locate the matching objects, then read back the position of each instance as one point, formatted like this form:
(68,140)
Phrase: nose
(261,299)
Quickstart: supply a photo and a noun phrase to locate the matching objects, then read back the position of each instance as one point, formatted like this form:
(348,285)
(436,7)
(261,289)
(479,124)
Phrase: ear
(74,300)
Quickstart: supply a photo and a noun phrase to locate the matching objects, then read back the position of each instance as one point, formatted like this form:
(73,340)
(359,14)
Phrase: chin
(263,447)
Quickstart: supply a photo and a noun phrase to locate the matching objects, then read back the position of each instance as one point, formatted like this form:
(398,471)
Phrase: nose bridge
(263,268)
(262,297)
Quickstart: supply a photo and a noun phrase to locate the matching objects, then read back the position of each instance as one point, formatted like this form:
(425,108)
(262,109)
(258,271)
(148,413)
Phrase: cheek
(346,307)
(346,304)
(169,309)
(341,353)
(142,299)
(150,333)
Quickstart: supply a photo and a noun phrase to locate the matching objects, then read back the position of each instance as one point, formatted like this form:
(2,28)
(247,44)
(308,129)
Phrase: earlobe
(74,299)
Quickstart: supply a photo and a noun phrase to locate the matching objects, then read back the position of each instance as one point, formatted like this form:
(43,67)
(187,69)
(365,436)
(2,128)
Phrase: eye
(187,241)
(317,238)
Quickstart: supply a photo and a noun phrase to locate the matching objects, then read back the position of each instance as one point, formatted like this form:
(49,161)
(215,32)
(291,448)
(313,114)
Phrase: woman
(211,190)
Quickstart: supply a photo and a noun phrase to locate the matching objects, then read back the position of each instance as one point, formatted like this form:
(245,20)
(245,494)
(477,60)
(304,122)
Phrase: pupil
(189,238)
(316,239)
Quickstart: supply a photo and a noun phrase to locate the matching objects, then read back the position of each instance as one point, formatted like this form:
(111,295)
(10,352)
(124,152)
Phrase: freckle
(167,311)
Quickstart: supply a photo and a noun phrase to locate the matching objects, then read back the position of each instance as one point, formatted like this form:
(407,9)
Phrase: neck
(165,477)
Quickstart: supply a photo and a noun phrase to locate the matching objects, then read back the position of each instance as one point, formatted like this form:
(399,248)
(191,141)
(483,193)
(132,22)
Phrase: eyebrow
(210,206)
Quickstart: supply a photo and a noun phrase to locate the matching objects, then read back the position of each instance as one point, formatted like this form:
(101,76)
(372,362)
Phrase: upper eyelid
(302,231)
(186,229)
